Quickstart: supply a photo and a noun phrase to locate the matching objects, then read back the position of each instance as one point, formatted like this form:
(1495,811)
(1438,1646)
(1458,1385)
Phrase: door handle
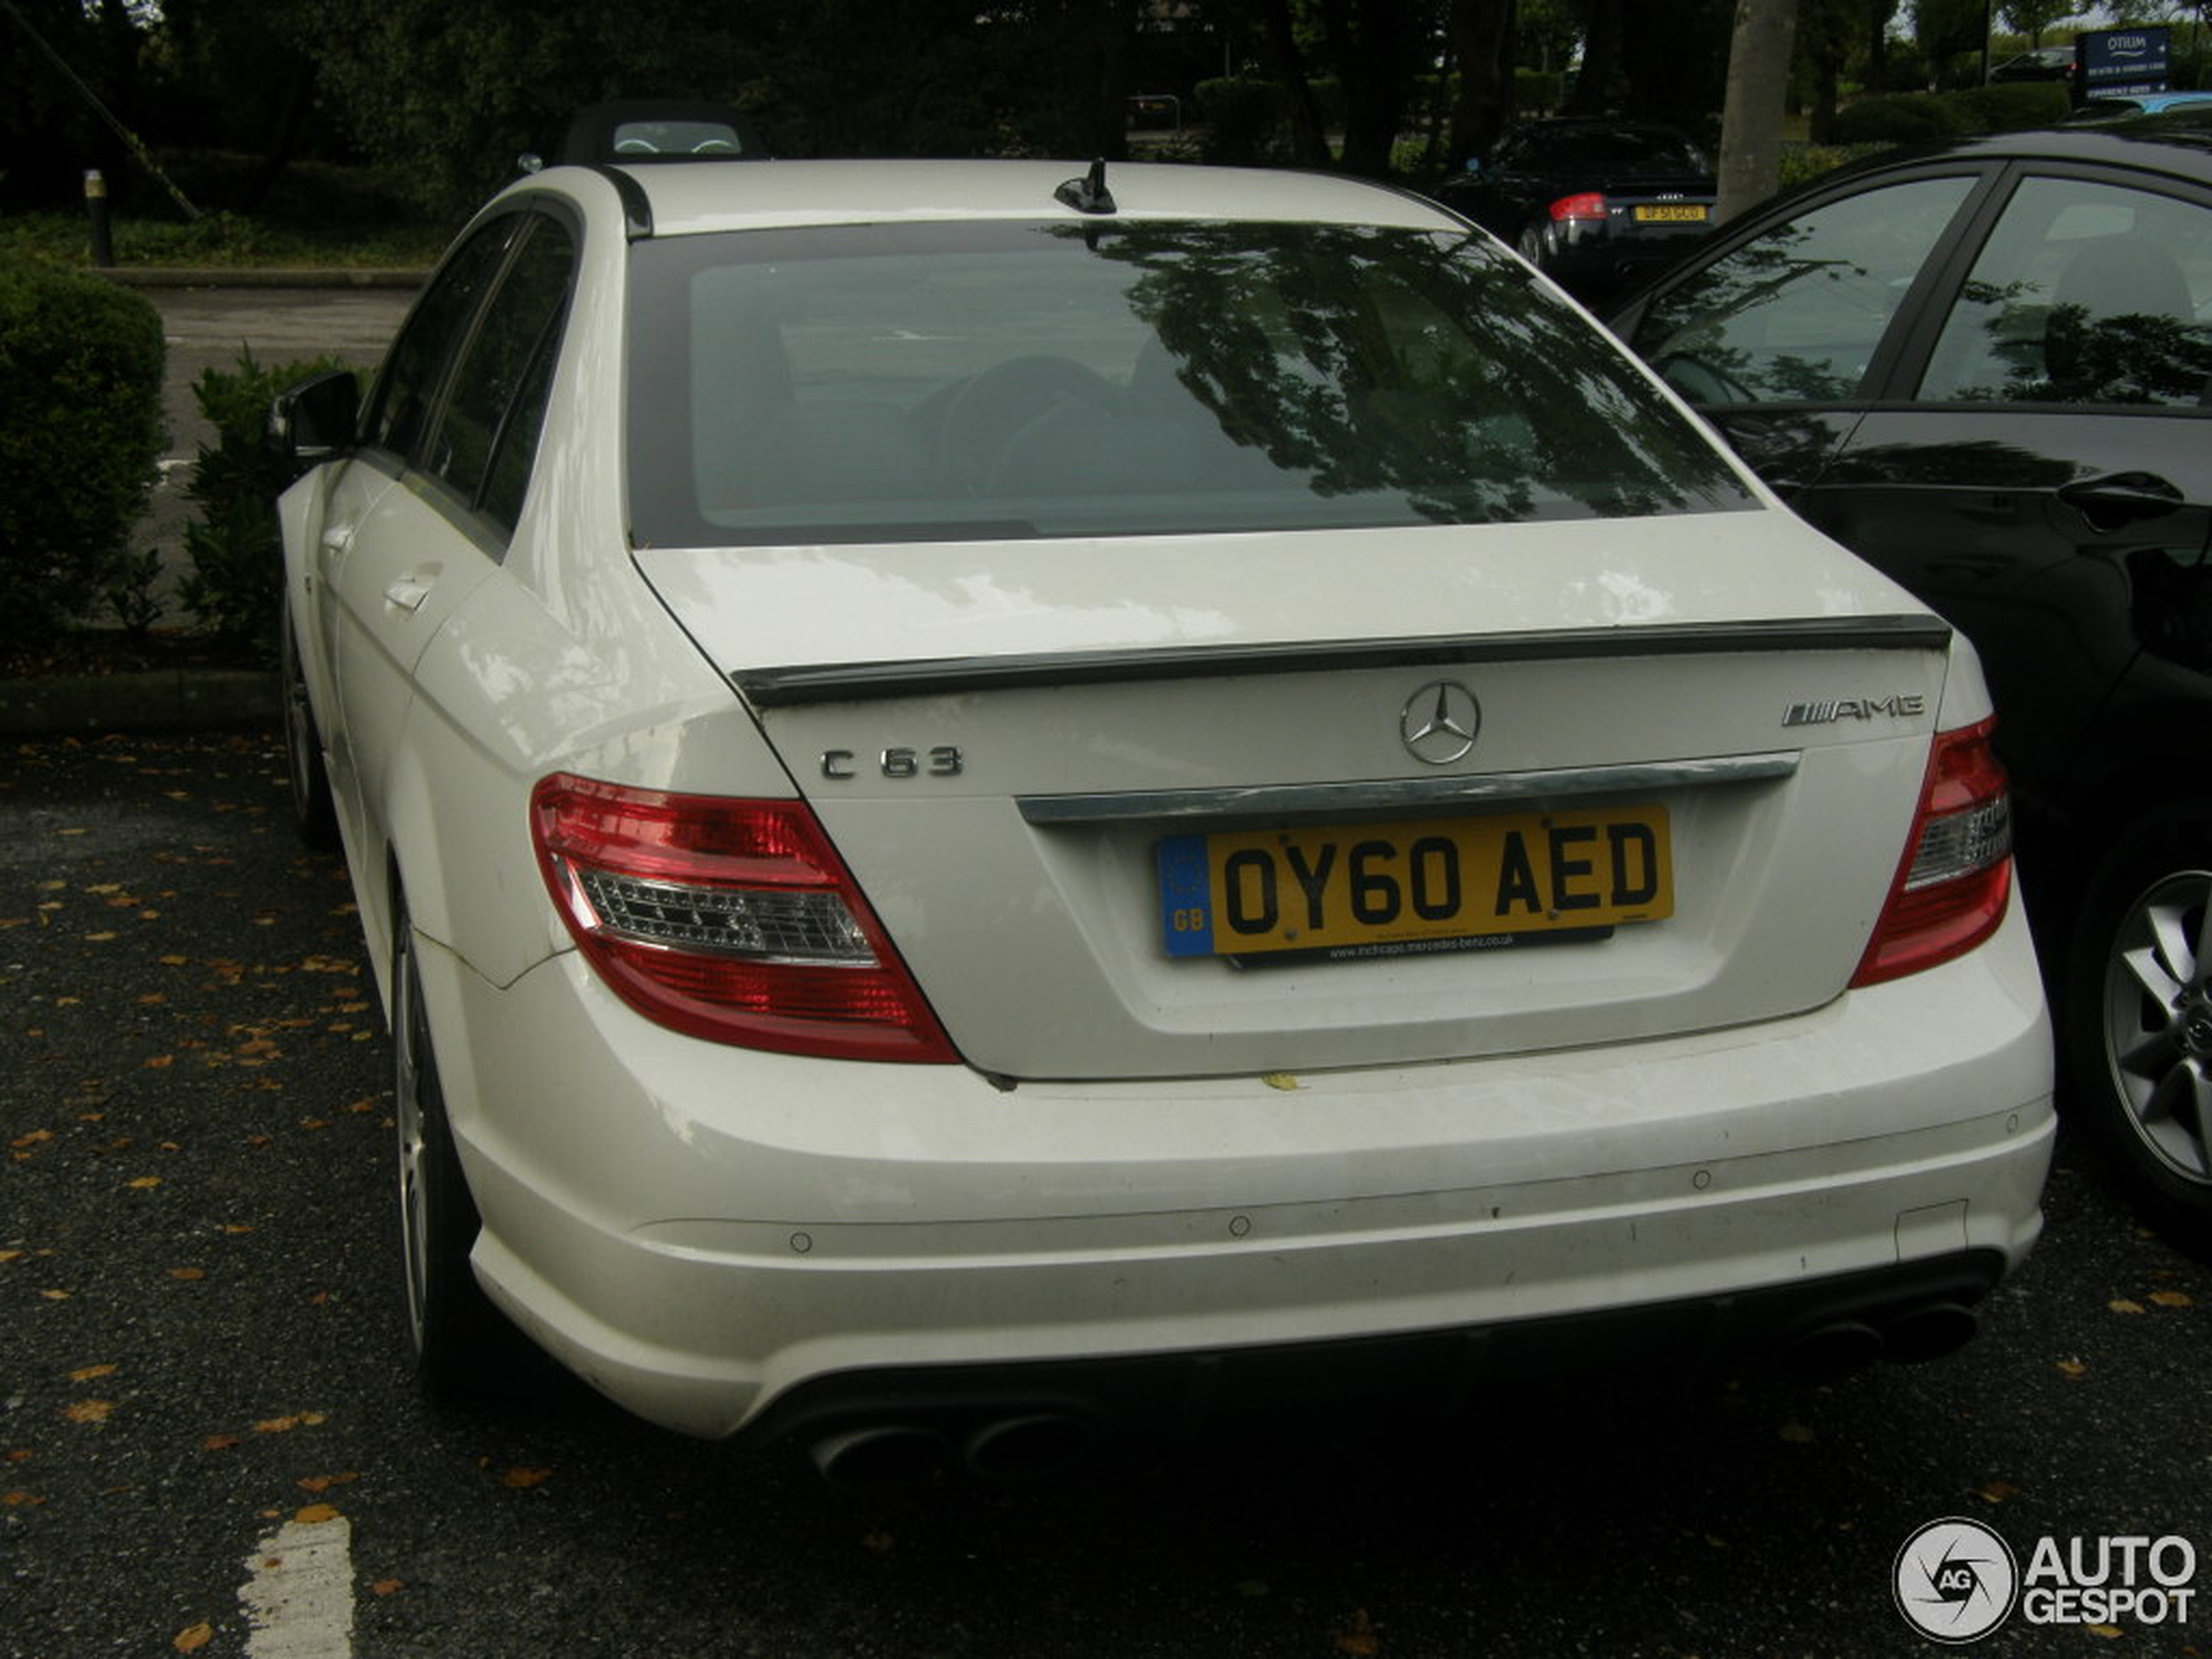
(408,592)
(2121,498)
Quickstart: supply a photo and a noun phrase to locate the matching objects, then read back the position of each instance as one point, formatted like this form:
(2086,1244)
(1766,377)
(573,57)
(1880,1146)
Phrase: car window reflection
(2086,293)
(1795,315)
(960,381)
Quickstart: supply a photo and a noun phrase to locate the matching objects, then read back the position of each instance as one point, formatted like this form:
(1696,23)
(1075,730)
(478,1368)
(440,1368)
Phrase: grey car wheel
(2138,1015)
(464,1347)
(312,813)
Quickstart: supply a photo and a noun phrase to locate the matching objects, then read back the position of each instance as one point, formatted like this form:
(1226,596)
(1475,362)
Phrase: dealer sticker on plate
(1395,888)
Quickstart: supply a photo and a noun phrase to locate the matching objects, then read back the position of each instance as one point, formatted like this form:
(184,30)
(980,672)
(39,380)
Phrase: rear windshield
(963,381)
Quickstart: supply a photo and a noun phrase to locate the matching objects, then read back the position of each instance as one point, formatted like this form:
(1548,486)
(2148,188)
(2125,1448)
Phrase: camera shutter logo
(1956,1580)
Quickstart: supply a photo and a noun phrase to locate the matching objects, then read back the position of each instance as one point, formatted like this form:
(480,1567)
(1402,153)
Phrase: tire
(465,1348)
(1534,247)
(2135,1016)
(313,814)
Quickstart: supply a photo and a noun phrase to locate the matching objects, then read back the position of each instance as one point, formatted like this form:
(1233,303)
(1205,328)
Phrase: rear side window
(2085,292)
(488,431)
(1795,314)
(406,387)
(954,381)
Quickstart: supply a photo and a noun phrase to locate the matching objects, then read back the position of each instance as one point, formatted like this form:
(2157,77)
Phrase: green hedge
(236,566)
(81,435)
(1922,117)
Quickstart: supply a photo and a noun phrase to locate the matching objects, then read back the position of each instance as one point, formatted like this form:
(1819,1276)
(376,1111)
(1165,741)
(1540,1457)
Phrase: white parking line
(299,1592)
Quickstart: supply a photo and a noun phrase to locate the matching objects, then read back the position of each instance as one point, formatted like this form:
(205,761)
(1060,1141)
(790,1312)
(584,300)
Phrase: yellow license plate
(1385,888)
(1671,213)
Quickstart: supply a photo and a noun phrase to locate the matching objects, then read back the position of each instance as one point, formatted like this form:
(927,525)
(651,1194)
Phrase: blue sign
(2117,63)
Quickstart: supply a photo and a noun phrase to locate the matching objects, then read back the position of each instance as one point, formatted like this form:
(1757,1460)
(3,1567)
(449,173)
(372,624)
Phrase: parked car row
(992,806)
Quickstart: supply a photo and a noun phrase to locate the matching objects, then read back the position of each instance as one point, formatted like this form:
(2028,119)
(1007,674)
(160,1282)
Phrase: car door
(446,422)
(1783,336)
(2043,473)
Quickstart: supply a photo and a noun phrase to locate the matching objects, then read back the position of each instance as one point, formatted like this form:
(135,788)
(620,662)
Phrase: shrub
(1898,117)
(236,563)
(2010,106)
(80,382)
(1920,118)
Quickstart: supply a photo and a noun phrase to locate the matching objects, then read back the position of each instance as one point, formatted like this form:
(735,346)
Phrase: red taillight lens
(1588,205)
(729,920)
(1956,878)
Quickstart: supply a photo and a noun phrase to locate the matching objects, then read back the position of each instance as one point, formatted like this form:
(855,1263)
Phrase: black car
(1593,203)
(2040,64)
(1988,370)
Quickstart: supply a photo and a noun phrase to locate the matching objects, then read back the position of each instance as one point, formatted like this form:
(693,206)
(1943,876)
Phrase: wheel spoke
(2197,1141)
(2169,935)
(2145,966)
(2177,1088)
(2151,1057)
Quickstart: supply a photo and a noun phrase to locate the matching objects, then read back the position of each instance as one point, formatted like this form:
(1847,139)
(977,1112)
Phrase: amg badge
(1902,705)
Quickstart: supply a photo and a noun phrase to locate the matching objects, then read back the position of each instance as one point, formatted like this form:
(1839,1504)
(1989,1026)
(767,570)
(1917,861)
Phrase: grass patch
(317,216)
(224,240)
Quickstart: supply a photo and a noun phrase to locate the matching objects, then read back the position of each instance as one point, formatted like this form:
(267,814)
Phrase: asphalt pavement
(209,1442)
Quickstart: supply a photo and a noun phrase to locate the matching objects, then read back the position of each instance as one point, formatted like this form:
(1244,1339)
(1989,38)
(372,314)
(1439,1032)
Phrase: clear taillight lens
(729,920)
(1956,879)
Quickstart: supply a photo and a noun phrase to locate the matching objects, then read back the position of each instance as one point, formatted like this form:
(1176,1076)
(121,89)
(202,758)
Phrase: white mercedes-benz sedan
(991,805)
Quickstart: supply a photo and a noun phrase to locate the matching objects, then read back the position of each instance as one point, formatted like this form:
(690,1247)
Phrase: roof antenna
(1088,194)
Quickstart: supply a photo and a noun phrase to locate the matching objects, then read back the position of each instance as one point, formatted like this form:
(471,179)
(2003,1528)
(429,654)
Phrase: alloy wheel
(2158,1022)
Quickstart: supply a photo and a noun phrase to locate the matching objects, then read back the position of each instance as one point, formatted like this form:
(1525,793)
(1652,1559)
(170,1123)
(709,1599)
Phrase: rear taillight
(1587,204)
(729,920)
(1956,878)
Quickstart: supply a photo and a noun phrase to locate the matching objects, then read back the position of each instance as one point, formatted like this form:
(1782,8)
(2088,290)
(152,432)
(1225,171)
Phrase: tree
(2031,17)
(1759,76)
(1481,36)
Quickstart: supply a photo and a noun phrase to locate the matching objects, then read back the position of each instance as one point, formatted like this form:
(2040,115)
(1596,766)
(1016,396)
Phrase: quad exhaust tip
(1927,1331)
(896,1456)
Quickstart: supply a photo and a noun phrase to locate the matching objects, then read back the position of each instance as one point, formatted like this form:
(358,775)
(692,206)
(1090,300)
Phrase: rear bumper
(722,1240)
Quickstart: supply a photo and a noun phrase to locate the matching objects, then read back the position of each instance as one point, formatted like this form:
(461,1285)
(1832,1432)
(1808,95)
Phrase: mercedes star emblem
(1440,722)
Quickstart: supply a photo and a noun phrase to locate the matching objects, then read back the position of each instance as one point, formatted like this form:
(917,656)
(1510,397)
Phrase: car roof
(768,194)
(2180,143)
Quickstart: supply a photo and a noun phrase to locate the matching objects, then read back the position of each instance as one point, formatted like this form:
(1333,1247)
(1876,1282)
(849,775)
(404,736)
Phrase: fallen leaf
(1360,1638)
(33,1138)
(193,1640)
(523,1480)
(2172,1299)
(89,1411)
(56,1296)
(2110,1632)
(285,1425)
(145,1183)
(880,1542)
(387,1586)
(2121,1304)
(315,1513)
(2074,1368)
(88,1372)
(319,1484)
(188,1273)
(1798,1435)
(20,1500)
(1998,1491)
(220,1442)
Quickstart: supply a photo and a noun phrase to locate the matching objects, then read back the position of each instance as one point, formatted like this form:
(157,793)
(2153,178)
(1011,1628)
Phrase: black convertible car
(1987,369)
